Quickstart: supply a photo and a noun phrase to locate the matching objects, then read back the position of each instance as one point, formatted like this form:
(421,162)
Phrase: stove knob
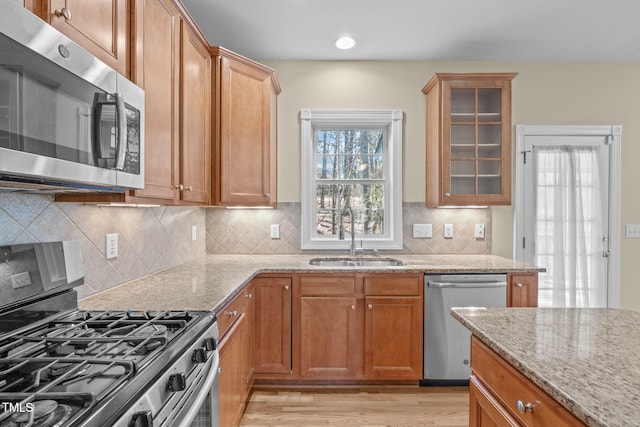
(210,344)
(199,355)
(141,419)
(177,382)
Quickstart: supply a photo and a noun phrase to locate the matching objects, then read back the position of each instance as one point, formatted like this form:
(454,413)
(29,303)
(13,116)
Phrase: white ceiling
(539,30)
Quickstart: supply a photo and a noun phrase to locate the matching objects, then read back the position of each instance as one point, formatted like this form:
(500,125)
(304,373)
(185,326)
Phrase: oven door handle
(121,150)
(211,375)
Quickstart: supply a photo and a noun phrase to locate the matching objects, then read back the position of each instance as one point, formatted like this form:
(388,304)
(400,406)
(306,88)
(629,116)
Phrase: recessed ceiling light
(345,42)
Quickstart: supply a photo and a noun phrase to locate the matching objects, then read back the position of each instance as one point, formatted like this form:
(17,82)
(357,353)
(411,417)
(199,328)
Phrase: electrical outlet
(20,280)
(422,231)
(111,246)
(194,233)
(448,231)
(632,231)
(479,234)
(275,231)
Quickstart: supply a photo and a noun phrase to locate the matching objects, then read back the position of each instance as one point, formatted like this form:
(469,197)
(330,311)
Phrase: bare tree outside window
(349,174)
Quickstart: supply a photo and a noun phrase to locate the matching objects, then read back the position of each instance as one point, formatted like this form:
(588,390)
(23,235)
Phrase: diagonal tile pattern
(150,239)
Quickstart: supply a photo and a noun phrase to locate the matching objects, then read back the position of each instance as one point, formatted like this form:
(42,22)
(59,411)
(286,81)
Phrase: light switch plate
(632,231)
(422,231)
(111,246)
(448,231)
(275,231)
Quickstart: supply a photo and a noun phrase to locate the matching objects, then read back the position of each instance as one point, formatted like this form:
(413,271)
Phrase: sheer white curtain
(568,227)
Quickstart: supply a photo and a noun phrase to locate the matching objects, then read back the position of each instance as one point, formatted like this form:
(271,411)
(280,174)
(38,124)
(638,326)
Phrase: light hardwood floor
(362,406)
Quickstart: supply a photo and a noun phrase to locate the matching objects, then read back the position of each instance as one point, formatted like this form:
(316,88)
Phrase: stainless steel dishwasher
(446,341)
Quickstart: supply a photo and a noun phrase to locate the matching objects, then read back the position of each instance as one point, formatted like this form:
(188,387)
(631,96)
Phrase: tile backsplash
(150,239)
(248,231)
(154,238)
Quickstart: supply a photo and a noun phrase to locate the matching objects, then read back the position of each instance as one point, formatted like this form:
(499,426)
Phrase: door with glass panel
(565,205)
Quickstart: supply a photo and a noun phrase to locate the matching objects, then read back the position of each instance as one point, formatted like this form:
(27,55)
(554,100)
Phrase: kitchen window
(351,175)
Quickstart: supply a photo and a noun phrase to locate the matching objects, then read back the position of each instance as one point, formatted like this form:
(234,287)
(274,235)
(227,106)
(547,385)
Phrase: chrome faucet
(341,229)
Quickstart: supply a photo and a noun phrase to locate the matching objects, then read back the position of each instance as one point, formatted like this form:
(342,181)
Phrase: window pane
(365,200)
(349,154)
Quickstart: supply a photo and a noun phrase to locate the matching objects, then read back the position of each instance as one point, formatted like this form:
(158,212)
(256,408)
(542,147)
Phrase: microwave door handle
(121,149)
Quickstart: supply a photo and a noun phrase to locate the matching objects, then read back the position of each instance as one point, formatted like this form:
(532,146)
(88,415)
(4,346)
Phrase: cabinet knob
(249,295)
(63,13)
(370,306)
(286,287)
(519,285)
(233,313)
(353,307)
(179,187)
(447,194)
(189,188)
(524,407)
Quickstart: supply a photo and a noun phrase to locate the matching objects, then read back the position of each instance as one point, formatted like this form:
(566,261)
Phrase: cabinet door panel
(328,337)
(245,134)
(485,410)
(100,26)
(272,330)
(195,147)
(158,56)
(230,379)
(393,337)
(523,290)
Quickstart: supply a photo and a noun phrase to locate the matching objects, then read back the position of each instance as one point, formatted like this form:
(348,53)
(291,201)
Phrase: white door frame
(615,138)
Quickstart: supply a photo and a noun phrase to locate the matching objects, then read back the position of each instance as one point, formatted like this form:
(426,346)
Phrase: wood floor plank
(360,406)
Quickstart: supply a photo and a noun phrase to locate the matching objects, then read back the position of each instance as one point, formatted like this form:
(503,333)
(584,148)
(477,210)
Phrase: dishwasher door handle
(467,284)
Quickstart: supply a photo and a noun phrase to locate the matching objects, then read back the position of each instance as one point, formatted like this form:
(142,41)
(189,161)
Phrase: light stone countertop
(586,359)
(209,282)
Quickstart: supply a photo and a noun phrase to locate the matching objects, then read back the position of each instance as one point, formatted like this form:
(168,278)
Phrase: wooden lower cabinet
(496,388)
(360,327)
(393,337)
(328,337)
(272,326)
(231,375)
(522,290)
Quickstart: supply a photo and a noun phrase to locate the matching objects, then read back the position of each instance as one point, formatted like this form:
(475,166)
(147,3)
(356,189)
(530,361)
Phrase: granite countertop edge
(211,281)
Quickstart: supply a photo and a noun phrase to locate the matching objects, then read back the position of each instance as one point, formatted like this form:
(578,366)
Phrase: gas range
(60,366)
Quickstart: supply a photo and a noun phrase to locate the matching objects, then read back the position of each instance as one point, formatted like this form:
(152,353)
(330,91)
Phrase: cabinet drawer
(509,387)
(327,286)
(391,284)
(230,313)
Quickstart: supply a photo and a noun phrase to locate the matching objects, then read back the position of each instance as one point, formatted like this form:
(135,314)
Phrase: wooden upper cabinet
(99,26)
(195,119)
(245,140)
(468,139)
(158,73)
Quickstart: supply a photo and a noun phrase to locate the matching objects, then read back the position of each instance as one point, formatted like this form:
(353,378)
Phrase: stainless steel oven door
(200,408)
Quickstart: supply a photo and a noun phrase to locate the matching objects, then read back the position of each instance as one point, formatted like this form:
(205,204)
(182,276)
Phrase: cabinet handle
(286,287)
(64,13)
(370,306)
(519,285)
(233,313)
(524,407)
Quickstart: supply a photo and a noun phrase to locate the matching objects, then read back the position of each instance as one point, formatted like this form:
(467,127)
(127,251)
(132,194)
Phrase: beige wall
(543,93)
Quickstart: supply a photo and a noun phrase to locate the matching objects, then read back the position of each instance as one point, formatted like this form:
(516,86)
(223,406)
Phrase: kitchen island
(211,281)
(584,359)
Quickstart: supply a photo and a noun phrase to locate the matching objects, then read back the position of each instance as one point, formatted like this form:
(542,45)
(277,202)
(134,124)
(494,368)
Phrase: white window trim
(615,132)
(392,120)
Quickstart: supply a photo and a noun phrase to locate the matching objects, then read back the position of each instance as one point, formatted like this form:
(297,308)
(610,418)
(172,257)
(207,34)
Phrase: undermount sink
(355,262)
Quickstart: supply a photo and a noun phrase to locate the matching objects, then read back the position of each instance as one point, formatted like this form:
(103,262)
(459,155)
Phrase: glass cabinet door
(476,126)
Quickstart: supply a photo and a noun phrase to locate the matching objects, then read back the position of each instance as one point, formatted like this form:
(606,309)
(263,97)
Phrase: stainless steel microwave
(67,120)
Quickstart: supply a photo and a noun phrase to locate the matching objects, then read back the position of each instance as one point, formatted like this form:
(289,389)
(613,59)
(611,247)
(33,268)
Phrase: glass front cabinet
(468,141)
